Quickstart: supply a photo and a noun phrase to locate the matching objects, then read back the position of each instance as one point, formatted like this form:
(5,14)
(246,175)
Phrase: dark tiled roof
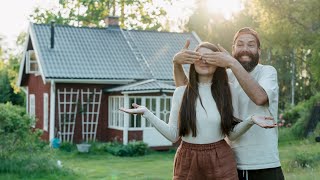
(88,53)
(159,48)
(102,53)
(147,85)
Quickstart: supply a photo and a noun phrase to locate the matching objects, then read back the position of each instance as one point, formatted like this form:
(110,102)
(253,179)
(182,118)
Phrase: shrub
(21,149)
(66,146)
(299,115)
(304,159)
(134,148)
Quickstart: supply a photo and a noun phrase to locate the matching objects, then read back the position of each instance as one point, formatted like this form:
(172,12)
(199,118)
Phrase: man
(256,88)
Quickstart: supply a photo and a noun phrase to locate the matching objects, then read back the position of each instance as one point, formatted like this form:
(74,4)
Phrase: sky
(14,17)
(14,14)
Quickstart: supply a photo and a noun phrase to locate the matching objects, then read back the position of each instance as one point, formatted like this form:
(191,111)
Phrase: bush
(66,146)
(299,115)
(304,159)
(21,149)
(134,148)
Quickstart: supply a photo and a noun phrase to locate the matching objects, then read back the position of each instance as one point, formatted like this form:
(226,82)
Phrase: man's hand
(137,109)
(220,59)
(186,56)
(264,121)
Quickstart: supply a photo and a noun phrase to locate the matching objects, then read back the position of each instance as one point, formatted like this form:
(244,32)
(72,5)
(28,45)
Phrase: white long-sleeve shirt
(208,121)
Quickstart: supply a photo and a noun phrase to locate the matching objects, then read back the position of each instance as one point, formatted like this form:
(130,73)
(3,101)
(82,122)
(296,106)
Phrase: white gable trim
(31,36)
(196,36)
(92,81)
(146,91)
(22,61)
(37,52)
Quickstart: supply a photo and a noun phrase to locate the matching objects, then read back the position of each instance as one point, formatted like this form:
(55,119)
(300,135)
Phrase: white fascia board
(140,92)
(22,61)
(196,36)
(92,81)
(37,51)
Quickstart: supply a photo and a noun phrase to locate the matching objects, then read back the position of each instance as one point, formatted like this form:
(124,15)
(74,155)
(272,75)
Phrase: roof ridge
(143,62)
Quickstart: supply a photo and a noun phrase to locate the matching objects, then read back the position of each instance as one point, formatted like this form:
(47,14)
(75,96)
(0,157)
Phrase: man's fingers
(186,45)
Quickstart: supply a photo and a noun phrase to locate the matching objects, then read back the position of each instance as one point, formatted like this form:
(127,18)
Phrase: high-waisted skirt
(205,161)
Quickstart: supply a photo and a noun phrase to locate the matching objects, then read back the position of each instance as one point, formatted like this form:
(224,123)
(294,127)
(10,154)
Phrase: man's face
(246,51)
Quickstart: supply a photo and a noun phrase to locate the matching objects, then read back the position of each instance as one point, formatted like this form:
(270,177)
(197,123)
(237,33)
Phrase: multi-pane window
(151,104)
(134,119)
(158,105)
(32,65)
(116,118)
(165,105)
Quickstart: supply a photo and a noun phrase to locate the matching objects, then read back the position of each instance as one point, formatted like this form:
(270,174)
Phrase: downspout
(52,109)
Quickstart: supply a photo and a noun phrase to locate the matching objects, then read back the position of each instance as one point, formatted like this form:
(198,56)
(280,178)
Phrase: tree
(134,14)
(291,29)
(214,27)
(9,68)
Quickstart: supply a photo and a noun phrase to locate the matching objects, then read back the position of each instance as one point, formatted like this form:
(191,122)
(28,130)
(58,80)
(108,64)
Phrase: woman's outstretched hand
(137,109)
(263,121)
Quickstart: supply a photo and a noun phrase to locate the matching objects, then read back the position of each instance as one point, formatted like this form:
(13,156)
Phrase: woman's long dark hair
(220,91)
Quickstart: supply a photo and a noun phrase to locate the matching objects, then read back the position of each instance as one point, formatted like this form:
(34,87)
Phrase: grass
(158,165)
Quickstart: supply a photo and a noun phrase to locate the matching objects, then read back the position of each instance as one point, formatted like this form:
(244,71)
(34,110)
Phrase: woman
(202,115)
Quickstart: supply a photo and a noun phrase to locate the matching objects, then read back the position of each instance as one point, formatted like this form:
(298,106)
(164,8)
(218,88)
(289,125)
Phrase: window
(134,119)
(151,104)
(32,106)
(165,106)
(32,63)
(116,118)
(45,112)
(158,105)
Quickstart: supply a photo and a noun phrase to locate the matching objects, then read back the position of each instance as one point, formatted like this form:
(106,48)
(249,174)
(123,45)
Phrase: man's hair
(247,30)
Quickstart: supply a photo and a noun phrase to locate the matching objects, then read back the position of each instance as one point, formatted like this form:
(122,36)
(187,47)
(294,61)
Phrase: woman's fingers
(135,105)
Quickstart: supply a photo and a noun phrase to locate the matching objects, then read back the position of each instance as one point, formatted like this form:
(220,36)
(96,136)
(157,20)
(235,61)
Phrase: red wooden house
(76,78)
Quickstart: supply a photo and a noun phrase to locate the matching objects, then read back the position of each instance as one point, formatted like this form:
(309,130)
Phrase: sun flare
(225,7)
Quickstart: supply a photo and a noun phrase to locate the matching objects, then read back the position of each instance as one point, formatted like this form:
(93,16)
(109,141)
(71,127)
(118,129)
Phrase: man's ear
(233,50)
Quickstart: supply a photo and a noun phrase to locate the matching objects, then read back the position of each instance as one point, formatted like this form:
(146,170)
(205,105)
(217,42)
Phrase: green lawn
(158,165)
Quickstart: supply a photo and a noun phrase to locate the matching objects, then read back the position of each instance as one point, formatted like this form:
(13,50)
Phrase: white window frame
(32,108)
(29,62)
(135,116)
(45,111)
(115,117)
(114,112)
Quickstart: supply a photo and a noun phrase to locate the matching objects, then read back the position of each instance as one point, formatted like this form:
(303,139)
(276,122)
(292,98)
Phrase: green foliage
(66,146)
(299,115)
(305,159)
(134,148)
(21,149)
(143,14)
(290,32)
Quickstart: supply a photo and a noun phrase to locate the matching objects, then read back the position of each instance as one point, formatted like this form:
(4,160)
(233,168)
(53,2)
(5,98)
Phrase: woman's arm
(244,126)
(170,130)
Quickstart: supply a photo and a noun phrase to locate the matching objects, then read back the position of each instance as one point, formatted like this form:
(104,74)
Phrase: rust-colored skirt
(205,161)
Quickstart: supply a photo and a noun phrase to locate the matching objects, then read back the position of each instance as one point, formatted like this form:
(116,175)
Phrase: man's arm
(250,86)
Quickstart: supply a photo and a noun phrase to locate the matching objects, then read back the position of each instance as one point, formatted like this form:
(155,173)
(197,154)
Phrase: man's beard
(248,66)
